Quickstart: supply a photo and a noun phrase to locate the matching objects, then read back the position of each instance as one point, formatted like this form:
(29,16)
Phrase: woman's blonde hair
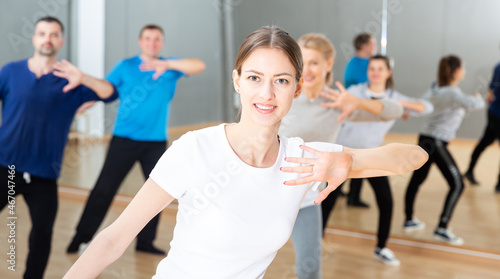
(321,43)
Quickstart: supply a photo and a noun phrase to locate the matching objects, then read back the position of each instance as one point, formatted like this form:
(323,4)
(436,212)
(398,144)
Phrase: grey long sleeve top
(310,121)
(450,104)
(372,134)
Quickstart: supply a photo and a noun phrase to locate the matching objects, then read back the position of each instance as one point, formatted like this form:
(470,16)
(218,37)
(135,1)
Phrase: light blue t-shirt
(144,106)
(355,71)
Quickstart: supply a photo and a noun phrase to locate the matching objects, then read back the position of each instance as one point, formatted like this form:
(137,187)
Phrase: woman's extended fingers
(300,181)
(310,150)
(303,169)
(340,87)
(300,160)
(330,94)
(331,91)
(330,105)
(323,194)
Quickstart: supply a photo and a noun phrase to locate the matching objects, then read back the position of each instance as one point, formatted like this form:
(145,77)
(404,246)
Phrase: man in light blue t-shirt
(146,85)
(355,73)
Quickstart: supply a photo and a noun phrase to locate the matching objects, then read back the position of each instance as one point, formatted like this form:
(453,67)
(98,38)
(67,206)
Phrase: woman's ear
(298,88)
(331,61)
(236,81)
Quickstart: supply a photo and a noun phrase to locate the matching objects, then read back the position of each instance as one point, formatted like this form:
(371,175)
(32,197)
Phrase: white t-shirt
(232,217)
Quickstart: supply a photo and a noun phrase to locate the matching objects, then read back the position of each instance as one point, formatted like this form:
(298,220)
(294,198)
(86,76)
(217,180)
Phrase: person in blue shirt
(492,130)
(146,85)
(355,73)
(39,99)
(355,70)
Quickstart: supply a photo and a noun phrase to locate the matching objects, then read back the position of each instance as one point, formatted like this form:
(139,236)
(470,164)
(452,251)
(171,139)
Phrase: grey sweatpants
(307,241)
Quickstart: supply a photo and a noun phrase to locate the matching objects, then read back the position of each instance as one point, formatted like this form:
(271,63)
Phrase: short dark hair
(50,19)
(361,39)
(151,27)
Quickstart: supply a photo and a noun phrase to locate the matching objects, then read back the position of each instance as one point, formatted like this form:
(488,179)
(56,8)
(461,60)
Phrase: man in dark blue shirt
(492,130)
(39,99)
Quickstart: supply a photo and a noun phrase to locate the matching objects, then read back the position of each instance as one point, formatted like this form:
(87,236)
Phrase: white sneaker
(447,236)
(413,225)
(386,256)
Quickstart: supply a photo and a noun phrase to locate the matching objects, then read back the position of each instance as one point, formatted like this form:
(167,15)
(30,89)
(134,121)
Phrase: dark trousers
(383,195)
(41,197)
(122,154)
(439,154)
(491,133)
(355,189)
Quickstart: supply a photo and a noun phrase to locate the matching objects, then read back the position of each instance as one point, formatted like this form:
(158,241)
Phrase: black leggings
(122,154)
(383,195)
(491,133)
(439,154)
(41,197)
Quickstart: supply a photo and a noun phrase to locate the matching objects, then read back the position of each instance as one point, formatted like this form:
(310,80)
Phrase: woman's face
(315,68)
(267,86)
(378,73)
(460,73)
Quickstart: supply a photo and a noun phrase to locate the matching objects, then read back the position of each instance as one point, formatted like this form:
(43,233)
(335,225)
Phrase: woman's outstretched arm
(336,167)
(110,243)
(390,159)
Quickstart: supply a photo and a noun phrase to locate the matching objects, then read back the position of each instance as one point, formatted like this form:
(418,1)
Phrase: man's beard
(47,51)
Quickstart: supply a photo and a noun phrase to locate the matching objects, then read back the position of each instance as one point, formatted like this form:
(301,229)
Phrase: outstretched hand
(332,167)
(343,100)
(157,65)
(65,69)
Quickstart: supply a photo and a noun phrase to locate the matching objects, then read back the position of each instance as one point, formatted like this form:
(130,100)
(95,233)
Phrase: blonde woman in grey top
(316,115)
(450,105)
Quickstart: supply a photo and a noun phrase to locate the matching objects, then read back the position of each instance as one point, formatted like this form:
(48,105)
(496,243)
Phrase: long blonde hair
(321,43)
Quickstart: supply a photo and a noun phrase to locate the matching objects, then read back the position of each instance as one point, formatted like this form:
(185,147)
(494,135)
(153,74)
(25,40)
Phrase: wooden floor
(348,245)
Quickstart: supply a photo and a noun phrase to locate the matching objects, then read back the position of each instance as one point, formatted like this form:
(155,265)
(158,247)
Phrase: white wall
(89,58)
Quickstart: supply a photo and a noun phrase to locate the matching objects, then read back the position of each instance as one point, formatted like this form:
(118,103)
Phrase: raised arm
(490,97)
(358,109)
(75,77)
(413,105)
(390,159)
(110,243)
(336,167)
(469,102)
(189,66)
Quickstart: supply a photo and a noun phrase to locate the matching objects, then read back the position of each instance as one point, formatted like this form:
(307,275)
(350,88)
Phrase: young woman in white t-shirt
(241,185)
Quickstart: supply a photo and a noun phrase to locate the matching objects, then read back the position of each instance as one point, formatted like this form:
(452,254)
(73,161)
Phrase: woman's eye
(254,78)
(282,81)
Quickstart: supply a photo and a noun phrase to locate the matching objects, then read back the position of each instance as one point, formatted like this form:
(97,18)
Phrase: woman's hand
(343,100)
(70,72)
(332,167)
